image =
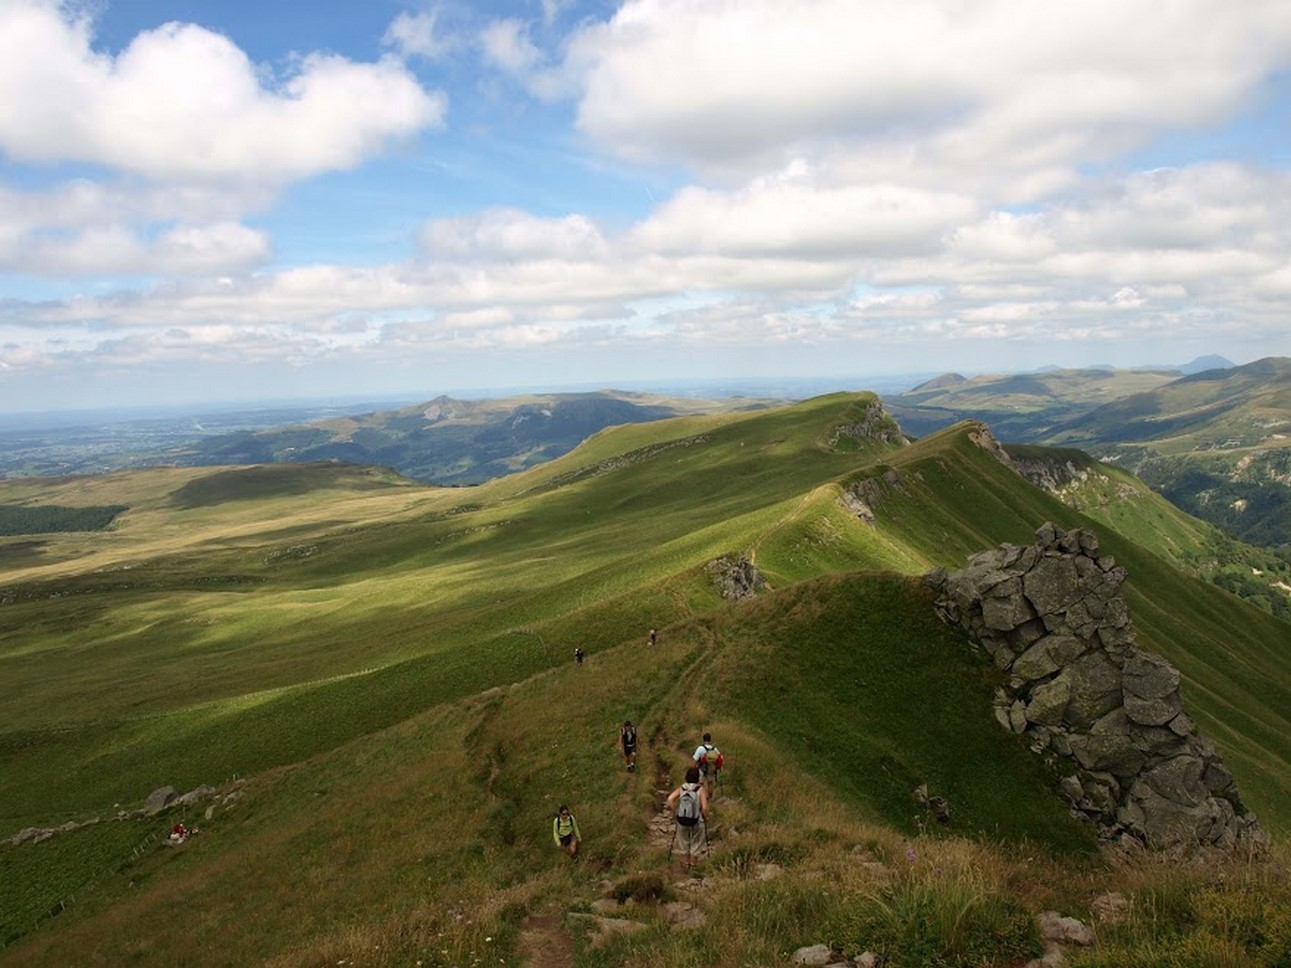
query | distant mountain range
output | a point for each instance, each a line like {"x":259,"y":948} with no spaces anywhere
{"x":448,"y":441}
{"x":1217,"y":442}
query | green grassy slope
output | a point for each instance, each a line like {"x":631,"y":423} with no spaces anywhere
{"x":366,"y":638}
{"x":378,"y":842}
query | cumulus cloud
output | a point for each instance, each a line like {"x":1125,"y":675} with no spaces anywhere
{"x":184,"y":103}
{"x":737,"y":83}
{"x":506,"y":46}
{"x":416,"y":35}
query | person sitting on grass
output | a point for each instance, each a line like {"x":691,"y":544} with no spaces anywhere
{"x":564,"y":831}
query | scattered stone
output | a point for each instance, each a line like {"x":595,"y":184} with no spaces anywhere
{"x":606,"y":929}
{"x":683,"y":914}
{"x":1110,"y":908}
{"x":816,"y":954}
{"x":158,"y":800}
{"x":1064,"y":930}
{"x":605,"y":905}
{"x":867,"y":959}
{"x":1079,"y":691}
{"x":1053,"y":957}
{"x":767,"y":871}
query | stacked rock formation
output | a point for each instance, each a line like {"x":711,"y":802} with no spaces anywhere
{"x":1106,"y":713}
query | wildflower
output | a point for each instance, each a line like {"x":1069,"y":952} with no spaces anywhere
{"x":910,"y":854}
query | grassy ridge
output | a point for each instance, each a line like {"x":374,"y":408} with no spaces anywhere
{"x":367,"y":625}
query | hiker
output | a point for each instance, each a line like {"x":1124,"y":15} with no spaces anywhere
{"x":628,"y":740}
{"x":689,"y":806}
{"x":708,"y":759}
{"x":578,"y":656}
{"x":654,"y":636}
{"x":564,"y":831}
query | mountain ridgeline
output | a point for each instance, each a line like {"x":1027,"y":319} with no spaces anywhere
{"x":366,"y":682}
{"x":449,"y":441}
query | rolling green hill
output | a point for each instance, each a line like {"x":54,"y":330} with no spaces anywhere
{"x":1019,"y":406}
{"x":1217,"y":444}
{"x":376,"y":677}
{"x":451,"y":441}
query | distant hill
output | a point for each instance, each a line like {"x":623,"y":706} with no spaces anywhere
{"x":1203,"y":363}
{"x":1022,"y":406}
{"x":1216,"y":443}
{"x":448,"y":441}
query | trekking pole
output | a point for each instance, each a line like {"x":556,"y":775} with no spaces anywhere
{"x":672,"y":843}
{"x":708,"y":847}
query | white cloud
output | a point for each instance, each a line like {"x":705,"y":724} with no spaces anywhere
{"x":506,"y":45}
{"x":184,"y":103}
{"x":725,"y":84}
{"x":512,"y":234}
{"x":793,"y":216}
{"x":416,"y":35}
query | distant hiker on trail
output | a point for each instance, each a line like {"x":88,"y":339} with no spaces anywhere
{"x":689,"y":805}
{"x":578,"y":657}
{"x":628,"y":740}
{"x":564,"y":831}
{"x":654,"y":636}
{"x":708,"y":759}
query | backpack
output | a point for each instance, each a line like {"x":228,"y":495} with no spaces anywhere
{"x":688,"y":812}
{"x":711,"y":761}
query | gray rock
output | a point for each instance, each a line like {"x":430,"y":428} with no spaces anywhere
{"x":159,"y":800}
{"x":1149,"y":676}
{"x":1064,"y":930}
{"x":1095,"y":683}
{"x":1083,"y":695}
{"x":1179,"y":779}
{"x":1153,"y":712}
{"x":816,"y":954}
{"x":1052,"y":585}
{"x":1047,"y":656}
{"x":1049,"y":702}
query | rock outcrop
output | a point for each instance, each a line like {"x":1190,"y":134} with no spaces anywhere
{"x":1107,"y":713}
{"x":735,"y":577}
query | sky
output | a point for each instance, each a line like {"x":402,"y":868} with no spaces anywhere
{"x":222,"y":201}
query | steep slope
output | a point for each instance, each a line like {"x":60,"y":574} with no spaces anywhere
{"x":392,"y":663}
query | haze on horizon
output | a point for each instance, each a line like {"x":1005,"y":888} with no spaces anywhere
{"x":250,"y":201}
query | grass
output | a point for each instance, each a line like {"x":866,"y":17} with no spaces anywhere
{"x":391,"y":663}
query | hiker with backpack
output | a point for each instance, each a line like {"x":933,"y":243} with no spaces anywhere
{"x":708,"y":758}
{"x":564,"y":831}
{"x":689,"y":806}
{"x":628,"y":740}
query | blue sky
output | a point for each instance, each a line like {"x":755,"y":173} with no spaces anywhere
{"x":221,"y":201}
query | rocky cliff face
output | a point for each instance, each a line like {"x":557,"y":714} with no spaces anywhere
{"x":1106,"y":713}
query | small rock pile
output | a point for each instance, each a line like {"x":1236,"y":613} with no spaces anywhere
{"x":1108,"y":713}
{"x":735,"y":577}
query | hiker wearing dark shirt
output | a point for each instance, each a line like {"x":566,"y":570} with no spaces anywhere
{"x":628,"y":741}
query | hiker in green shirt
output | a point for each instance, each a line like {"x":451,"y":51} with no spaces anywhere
{"x":564,"y":831}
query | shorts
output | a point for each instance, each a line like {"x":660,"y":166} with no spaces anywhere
{"x":690,"y":840}
{"x":629,"y":751}
{"x":565,"y":840}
